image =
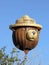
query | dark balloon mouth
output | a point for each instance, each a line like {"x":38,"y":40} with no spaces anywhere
{"x":27,"y":49}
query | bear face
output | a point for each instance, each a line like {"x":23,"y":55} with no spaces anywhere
{"x":25,"y":37}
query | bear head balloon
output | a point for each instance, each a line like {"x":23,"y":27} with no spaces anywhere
{"x":25,"y":33}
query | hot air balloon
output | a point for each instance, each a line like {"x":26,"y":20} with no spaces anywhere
{"x":25,"y":33}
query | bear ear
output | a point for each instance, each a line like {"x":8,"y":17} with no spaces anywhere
{"x":13,"y":29}
{"x":38,"y":29}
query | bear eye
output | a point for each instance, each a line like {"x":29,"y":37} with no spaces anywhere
{"x":23,"y":28}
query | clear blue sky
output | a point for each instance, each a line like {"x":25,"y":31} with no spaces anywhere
{"x":11,"y":10}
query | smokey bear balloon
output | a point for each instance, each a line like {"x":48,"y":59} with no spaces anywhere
{"x":25,"y":33}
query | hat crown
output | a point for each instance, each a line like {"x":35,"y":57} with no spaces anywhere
{"x":25,"y":19}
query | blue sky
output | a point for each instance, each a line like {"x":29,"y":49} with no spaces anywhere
{"x":11,"y":10}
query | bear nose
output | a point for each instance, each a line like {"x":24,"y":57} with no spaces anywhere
{"x":33,"y":32}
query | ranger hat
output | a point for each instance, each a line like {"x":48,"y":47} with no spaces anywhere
{"x":25,"y":21}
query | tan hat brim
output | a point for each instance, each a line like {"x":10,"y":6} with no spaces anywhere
{"x":28,"y":24}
